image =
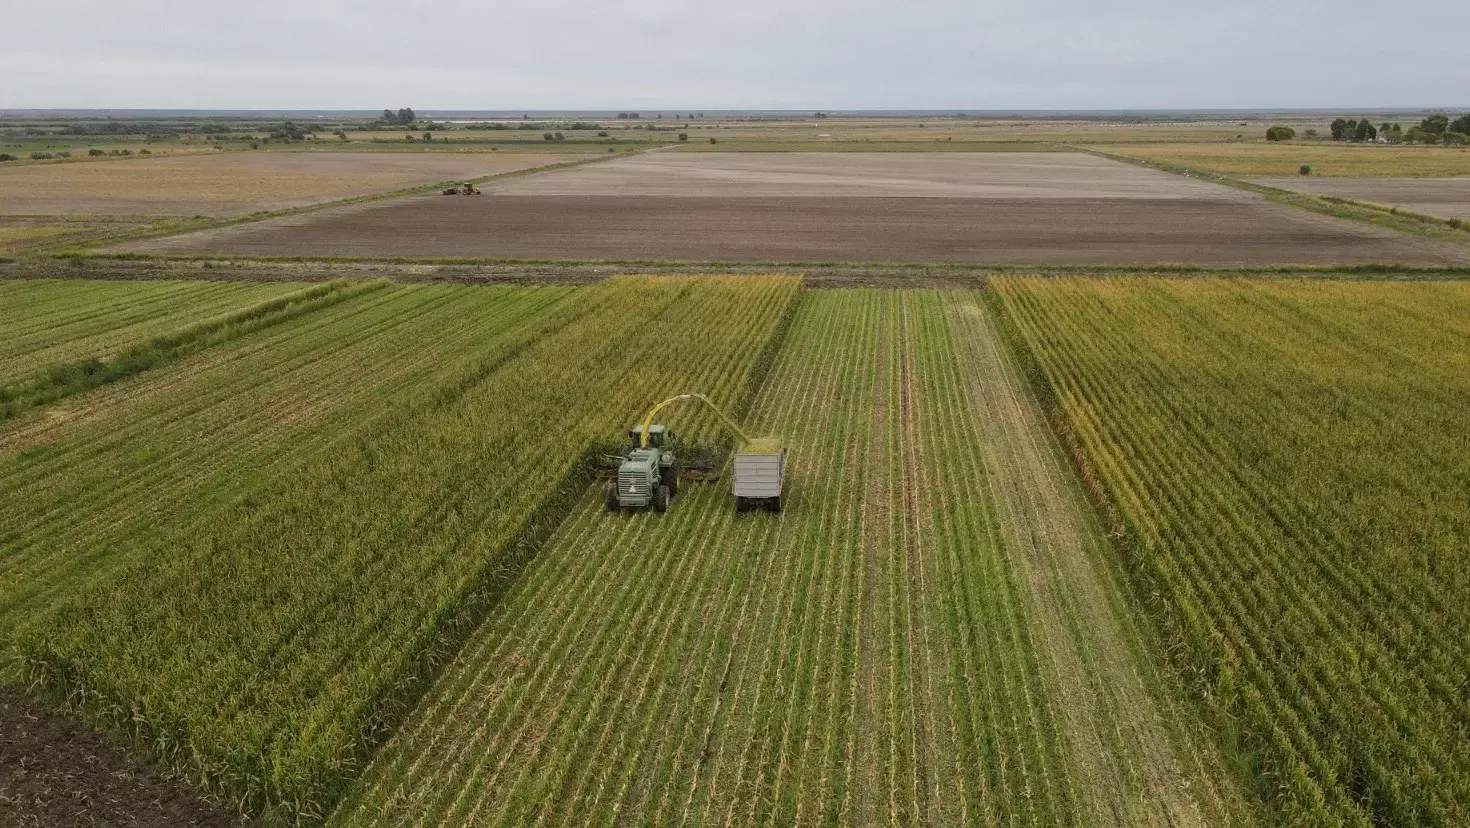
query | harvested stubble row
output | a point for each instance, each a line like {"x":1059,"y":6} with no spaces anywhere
{"x":260,"y":639}
{"x":51,"y":322}
{"x":867,"y":657}
{"x":1289,"y":463}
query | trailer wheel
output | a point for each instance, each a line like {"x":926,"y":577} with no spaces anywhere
{"x":661,"y":499}
{"x":610,"y":496}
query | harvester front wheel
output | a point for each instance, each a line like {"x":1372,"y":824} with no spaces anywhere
{"x":661,"y":498}
{"x":670,"y":477}
{"x":776,"y":504}
{"x":610,"y":497}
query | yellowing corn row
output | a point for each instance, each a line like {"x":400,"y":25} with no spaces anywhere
{"x":1288,"y":462}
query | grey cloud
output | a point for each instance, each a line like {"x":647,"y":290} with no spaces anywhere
{"x":759,"y":53}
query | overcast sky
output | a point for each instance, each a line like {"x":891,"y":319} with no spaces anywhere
{"x":714,"y":54}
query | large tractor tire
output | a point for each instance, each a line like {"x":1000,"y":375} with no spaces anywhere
{"x":775,"y":504}
{"x":670,"y":477}
{"x":661,"y":499}
{"x":610,"y":496}
{"x":741,"y":504}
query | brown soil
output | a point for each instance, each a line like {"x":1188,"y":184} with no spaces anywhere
{"x":56,"y":772}
{"x":845,"y":229}
{"x":1448,"y":197}
{"x":1017,"y":175}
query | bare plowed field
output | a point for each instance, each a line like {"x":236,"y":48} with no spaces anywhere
{"x":235,"y":183}
{"x":1012,"y":175}
{"x":1449,"y":197}
{"x":1024,"y":208}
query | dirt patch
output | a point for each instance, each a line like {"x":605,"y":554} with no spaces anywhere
{"x":842,"y":229}
{"x":1448,"y":197}
{"x":236,"y":183}
{"x":55,"y":772}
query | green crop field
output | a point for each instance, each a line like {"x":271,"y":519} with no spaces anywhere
{"x":1287,"y":464}
{"x":1061,"y":551}
{"x":256,"y":633}
{"x":894,"y":649}
{"x":52,"y":322}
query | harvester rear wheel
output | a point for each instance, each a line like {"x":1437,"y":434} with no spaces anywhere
{"x":661,"y":498}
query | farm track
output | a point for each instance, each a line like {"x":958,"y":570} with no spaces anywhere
{"x":337,"y":633}
{"x":878,"y":654}
{"x":1300,"y":582}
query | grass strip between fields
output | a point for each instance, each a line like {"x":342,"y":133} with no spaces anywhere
{"x":77,"y":377}
{"x":584,"y":271}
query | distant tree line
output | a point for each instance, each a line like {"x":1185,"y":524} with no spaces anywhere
{"x":1435,"y":129}
{"x":403,"y":117}
{"x":149,"y":128}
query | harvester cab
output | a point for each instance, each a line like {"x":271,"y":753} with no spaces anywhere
{"x":648,"y":474}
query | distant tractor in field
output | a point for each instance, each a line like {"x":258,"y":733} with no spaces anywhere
{"x":467,"y":188}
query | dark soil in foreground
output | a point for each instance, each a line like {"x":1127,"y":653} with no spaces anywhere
{"x":56,"y":772}
{"x":1052,"y":231}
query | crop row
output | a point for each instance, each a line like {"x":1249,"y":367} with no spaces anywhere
{"x":866,"y":657}
{"x":263,"y":640}
{"x":172,"y":445}
{"x":45,"y":323}
{"x":1288,"y":464}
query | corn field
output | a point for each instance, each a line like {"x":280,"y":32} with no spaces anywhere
{"x":258,"y":631}
{"x":1286,"y":464}
{"x":1061,"y":552}
{"x":874,"y":655}
{"x":45,"y":323}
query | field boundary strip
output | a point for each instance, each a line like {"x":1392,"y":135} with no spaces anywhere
{"x":66,"y":379}
{"x":815,"y":275}
{"x":1439,"y":228}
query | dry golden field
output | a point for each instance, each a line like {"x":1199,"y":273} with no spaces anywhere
{"x":236,"y":183}
{"x":1326,"y":159}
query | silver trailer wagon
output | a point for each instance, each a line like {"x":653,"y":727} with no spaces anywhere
{"x":760,"y":472}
